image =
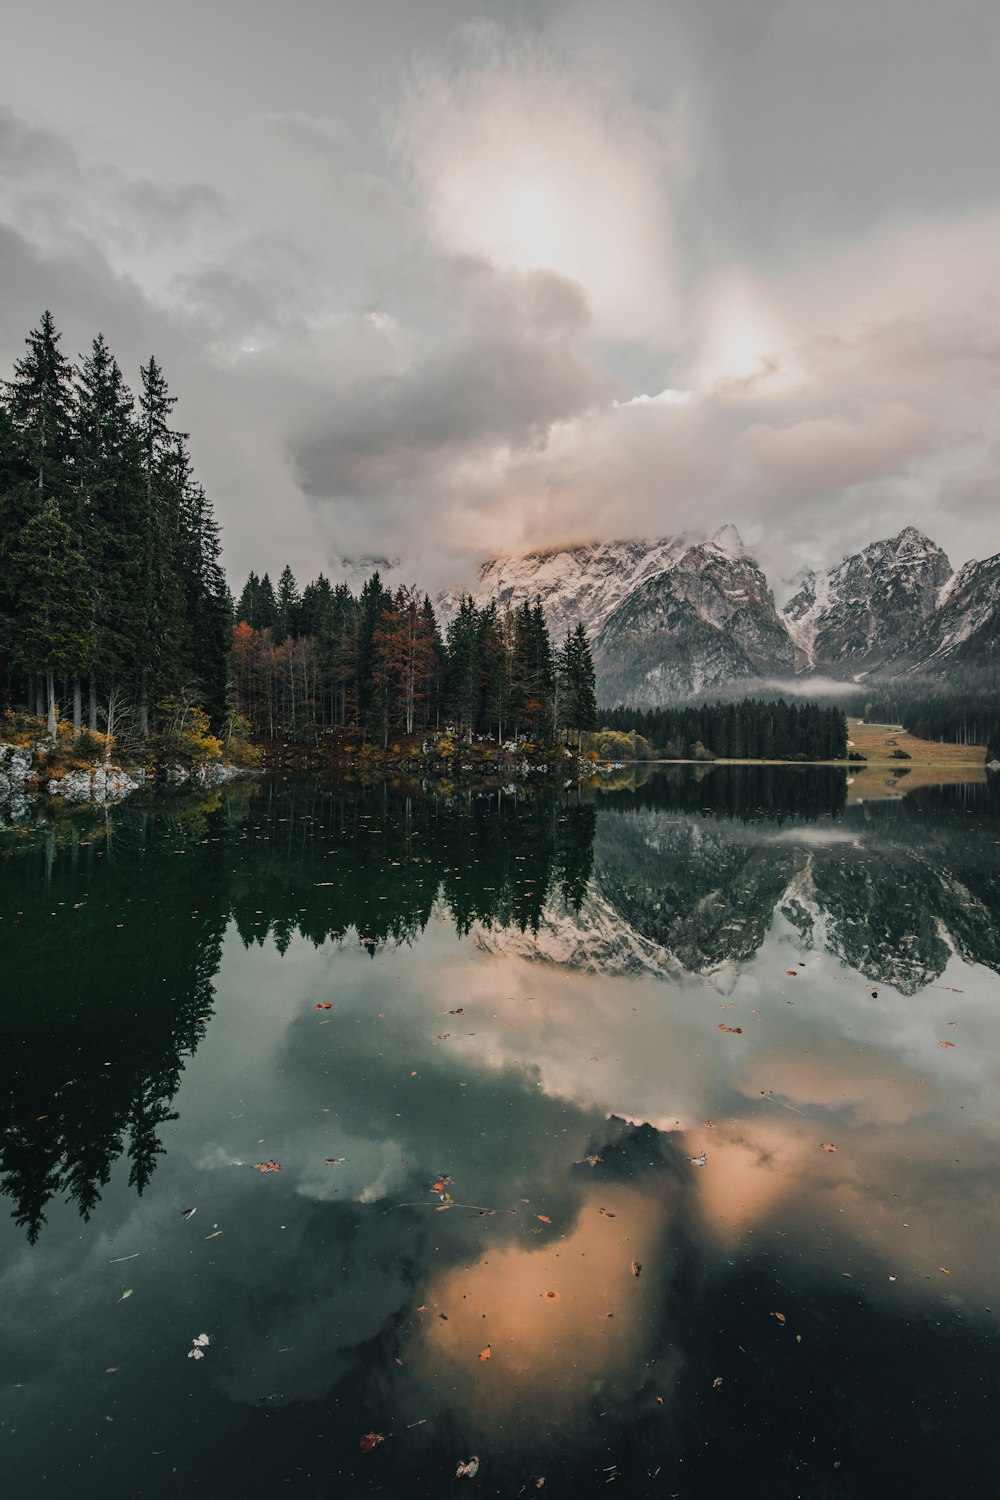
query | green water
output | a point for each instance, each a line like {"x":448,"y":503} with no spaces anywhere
{"x":559,"y":1002}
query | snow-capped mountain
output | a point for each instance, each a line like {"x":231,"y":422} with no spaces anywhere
{"x":963,"y":628}
{"x":851,"y":618}
{"x":697,"y":625}
{"x":681,"y":617}
{"x":576,"y":583}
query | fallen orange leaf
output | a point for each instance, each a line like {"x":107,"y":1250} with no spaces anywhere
{"x":324,"y":1005}
{"x":544,"y":1218}
{"x":780,"y":1317}
{"x":946,"y":1044}
{"x":636,"y":1267}
{"x":735,"y":1030}
{"x":553,"y":1297}
{"x":370,"y":1441}
{"x":486,"y":1353}
{"x":828,"y":1146}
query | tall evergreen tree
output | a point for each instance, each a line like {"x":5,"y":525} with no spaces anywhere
{"x":109,"y":487}
{"x":51,"y":601}
{"x":289,"y":604}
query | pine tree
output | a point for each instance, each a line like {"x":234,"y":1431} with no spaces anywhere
{"x":40,"y":408}
{"x":289,"y":604}
{"x":52,"y":604}
{"x":247,"y":607}
{"x":109,"y":489}
{"x":267,"y":605}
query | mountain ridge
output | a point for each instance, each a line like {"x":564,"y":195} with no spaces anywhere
{"x":677,"y":617}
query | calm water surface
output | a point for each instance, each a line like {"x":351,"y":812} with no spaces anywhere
{"x":730,"y":1029}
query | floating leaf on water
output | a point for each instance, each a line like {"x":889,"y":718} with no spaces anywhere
{"x":334,"y":1161}
{"x":780,"y":1317}
{"x":370,"y":1441}
{"x":125,"y":1295}
{"x":469,"y":1470}
{"x":196,"y":1354}
{"x":186,"y":1213}
{"x":591,"y":1161}
{"x":486,"y":1353}
{"x":659,"y":1401}
{"x":828,"y":1146}
{"x":792,"y":972}
{"x":699,"y":1161}
{"x":112,"y":1370}
{"x":553,"y":1296}
{"x":202,"y":1341}
{"x":946,"y":1044}
{"x":214,"y":1235}
{"x":544,"y":1218}
{"x":717,"y":1382}
{"x":267,"y":1166}
{"x":459,"y":1012}
{"x":637,"y":1268}
{"x":734,"y":1030}
{"x":944,"y":1270}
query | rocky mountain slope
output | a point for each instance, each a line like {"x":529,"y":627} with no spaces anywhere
{"x":681,"y":617}
{"x":851,"y":618}
{"x":963,"y":630}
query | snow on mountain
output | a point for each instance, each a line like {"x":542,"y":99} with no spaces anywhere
{"x":855,"y":615}
{"x":694,"y":627}
{"x":583,"y":582}
{"x":964,"y":628}
{"x":681,"y":617}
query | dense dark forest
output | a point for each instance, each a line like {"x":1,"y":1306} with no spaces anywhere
{"x":959,"y":715}
{"x":322,"y":658}
{"x":113,"y":604}
{"x":748,"y":729}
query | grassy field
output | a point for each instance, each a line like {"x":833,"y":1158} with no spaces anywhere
{"x":930,"y":764}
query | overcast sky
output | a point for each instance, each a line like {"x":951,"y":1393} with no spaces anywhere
{"x":434,"y":278}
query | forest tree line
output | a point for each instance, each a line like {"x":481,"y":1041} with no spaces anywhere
{"x":113,"y":604}
{"x":748,"y":729}
{"x":378,"y":661}
{"x":957,"y":715}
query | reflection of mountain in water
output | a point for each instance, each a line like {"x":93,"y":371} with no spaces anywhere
{"x":893,"y":889}
{"x":113,"y":921}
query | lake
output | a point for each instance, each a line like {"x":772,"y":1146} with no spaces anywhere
{"x":644,"y":1137}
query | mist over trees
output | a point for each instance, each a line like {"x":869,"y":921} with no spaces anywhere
{"x":111,"y":587}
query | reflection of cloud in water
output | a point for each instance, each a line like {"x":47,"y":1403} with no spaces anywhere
{"x":549,"y":1355}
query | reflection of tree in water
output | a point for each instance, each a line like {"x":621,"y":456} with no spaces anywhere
{"x":114,"y":926}
{"x":108,"y":987}
{"x":114,"y":922}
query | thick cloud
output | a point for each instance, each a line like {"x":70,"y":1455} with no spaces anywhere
{"x":420,"y":288}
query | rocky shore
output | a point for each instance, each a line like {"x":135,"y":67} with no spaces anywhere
{"x":24,"y":778}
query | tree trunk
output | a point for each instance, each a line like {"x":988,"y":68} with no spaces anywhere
{"x":50,"y":690}
{"x":92,"y":713}
{"x":77,"y":707}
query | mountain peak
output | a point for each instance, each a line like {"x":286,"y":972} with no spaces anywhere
{"x":728,"y":540}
